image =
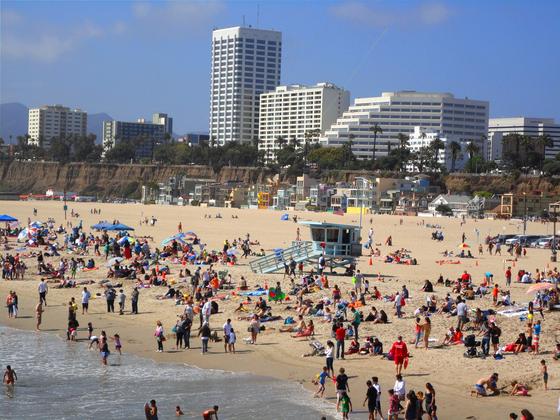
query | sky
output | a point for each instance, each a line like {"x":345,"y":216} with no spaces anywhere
{"x":133,"y":58}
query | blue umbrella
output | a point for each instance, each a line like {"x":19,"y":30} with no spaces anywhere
{"x":177,"y":237}
{"x":6,"y":218}
{"x":101,"y":226}
{"x":119,"y":226}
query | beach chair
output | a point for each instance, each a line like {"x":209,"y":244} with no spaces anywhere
{"x":317,"y":348}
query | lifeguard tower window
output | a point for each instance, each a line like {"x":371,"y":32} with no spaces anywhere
{"x":318,"y":234}
{"x":332,"y":235}
{"x":346,"y":236}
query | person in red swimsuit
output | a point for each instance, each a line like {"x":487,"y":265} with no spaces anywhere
{"x":400,"y":353}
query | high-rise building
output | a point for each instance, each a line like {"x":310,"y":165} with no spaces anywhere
{"x":50,"y":121}
{"x":399,"y":112}
{"x":533,"y":127}
{"x":294,"y":112}
{"x":145,"y":135}
{"x":245,"y":63}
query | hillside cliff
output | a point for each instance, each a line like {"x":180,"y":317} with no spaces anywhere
{"x":108,"y":180}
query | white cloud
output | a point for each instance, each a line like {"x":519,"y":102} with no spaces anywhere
{"x":377,"y":15}
{"x":25,"y":39}
{"x":168,"y":15}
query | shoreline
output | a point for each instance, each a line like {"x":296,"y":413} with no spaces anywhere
{"x":278,"y":356}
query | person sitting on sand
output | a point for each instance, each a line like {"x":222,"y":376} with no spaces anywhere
{"x":519,"y":389}
{"x":300,"y":326}
{"x":484,"y":385}
{"x":382,"y":318}
{"x":353,"y":348}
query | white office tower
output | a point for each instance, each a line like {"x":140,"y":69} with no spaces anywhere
{"x":50,"y":121}
{"x":533,"y":127}
{"x":399,"y":112}
{"x":421,"y":138}
{"x":245,"y":63}
{"x":165,"y":120}
{"x":298,"y":112}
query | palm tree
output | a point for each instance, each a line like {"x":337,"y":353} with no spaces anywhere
{"x":454,"y":149}
{"x":281,"y":142}
{"x":376,"y":130}
{"x":403,"y":144}
{"x":351,"y":138}
{"x":472,"y":149}
{"x":436,"y":146}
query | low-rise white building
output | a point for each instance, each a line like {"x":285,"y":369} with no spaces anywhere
{"x":296,"y":111}
{"x":422,"y":137}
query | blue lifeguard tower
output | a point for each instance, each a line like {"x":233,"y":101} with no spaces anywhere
{"x":338,"y":244}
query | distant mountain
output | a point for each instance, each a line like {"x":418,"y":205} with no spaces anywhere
{"x":13,"y":121}
{"x":95,"y":124}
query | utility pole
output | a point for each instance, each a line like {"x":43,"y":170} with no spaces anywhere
{"x":553,"y":257}
{"x":524,"y":213}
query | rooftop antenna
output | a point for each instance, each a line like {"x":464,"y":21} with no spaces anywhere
{"x":258,"y":12}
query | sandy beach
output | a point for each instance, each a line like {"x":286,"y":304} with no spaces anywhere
{"x":278,"y":354}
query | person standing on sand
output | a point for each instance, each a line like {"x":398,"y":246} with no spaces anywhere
{"x":43,"y":289}
{"x":427,"y":327}
{"x":204,"y":334}
{"x":38,"y":315}
{"x":227,"y":331}
{"x":160,"y":338}
{"x":134,"y":300}
{"x":400,"y":353}
{"x":86,"y":295}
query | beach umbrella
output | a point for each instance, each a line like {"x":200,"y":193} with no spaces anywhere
{"x":284,"y":217}
{"x":539,"y":286}
{"x":7,"y":218}
{"x":100,"y":226}
{"x":36,"y":224}
{"x":112,"y":261}
{"x":190,"y":233}
{"x":177,"y":237}
{"x":463,"y":246}
{"x":119,"y":226}
{"x":23,"y":235}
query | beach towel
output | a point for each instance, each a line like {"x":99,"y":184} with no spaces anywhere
{"x":513,"y":312}
{"x":274,"y":295}
{"x":259,"y":292}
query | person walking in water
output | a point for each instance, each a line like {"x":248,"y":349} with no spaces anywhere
{"x":211,"y":413}
{"x":10,"y":376}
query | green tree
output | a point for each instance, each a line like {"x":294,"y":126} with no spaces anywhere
{"x":455,"y":150}
{"x":123,"y":152}
{"x":404,"y":154}
{"x":376,"y":129}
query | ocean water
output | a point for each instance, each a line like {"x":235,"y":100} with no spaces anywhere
{"x":61,"y":380}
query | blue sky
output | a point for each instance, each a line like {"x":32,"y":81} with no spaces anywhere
{"x":132,"y":58}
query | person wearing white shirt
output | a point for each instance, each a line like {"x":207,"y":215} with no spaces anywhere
{"x":86,"y":295}
{"x":227,"y":331}
{"x":43,"y":289}
{"x":400,"y":387}
{"x":461,"y":313}
{"x":206,"y":311}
